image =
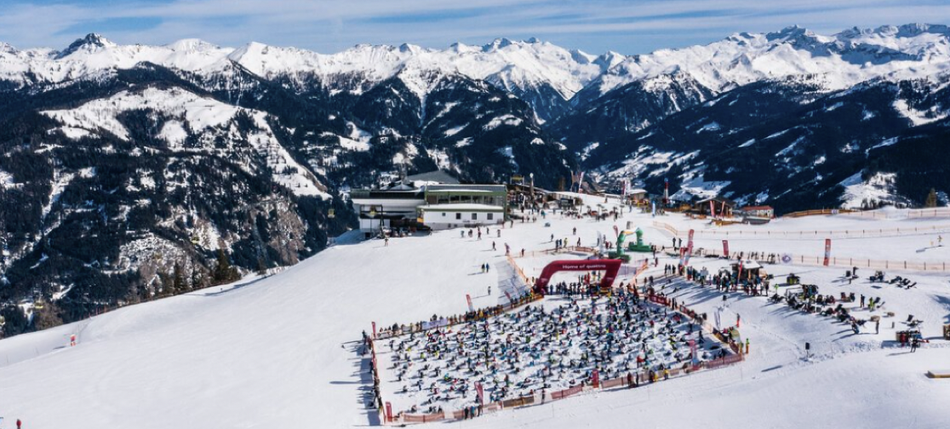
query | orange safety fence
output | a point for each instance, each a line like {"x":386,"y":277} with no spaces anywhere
{"x":518,"y":270}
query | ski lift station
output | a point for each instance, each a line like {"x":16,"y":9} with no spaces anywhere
{"x":427,"y":201}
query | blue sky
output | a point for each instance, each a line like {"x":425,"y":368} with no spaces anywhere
{"x":595,"y":26}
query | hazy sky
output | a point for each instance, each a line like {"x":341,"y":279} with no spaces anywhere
{"x":595,"y":26}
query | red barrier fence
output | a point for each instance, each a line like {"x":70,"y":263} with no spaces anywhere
{"x":566,"y":392}
{"x":728,"y":360}
{"x":517,"y":402}
{"x":374,"y":369}
{"x":423,"y":418}
{"x":607,"y":384}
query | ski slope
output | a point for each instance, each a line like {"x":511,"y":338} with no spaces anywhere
{"x":281,"y":351}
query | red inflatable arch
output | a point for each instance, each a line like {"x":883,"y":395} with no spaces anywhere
{"x":611,"y":266}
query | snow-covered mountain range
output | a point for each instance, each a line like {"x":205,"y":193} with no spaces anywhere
{"x":515,"y":66}
{"x":846,"y":58}
{"x":112,"y":156}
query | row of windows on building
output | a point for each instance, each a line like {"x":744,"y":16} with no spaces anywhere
{"x":458,"y":216}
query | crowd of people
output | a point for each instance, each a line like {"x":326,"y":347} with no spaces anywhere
{"x":542,"y":347}
{"x":804,"y":298}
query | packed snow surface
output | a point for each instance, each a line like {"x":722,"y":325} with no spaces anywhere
{"x":281,"y":351}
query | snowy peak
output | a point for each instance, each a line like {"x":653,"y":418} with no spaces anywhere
{"x":93,"y":54}
{"x":790,"y":34}
{"x":92,"y":42}
{"x":847,"y":58}
{"x":497,"y":44}
{"x":514,"y":66}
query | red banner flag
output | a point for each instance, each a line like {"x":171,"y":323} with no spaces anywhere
{"x":479,"y":390}
{"x":595,"y":379}
{"x":374,"y":330}
{"x":389,"y":411}
{"x":712,"y":208}
{"x":827,"y":250}
{"x":725,"y":248}
{"x":469,"y":299}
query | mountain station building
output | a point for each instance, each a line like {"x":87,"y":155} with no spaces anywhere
{"x":426,"y":201}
